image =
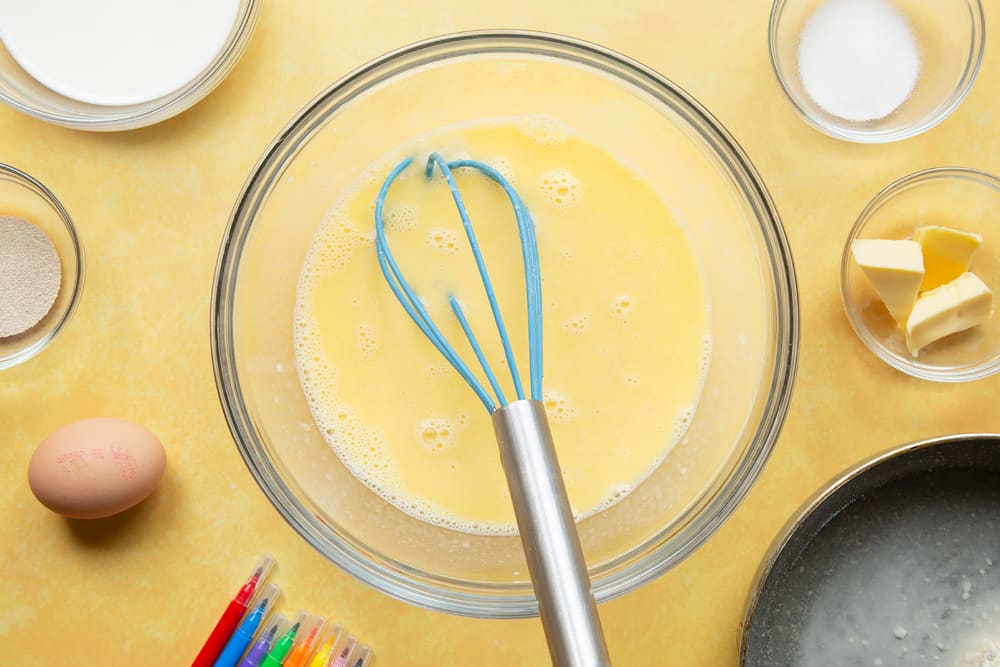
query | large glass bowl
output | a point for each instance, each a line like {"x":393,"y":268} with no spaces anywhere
{"x":649,"y":123}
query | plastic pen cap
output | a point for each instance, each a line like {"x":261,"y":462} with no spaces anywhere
{"x":361,"y":656}
{"x":306,"y":641}
{"x":280,"y":624}
{"x":256,"y":579}
{"x":271,"y":593}
{"x":317,"y":623}
{"x":342,"y":652}
{"x":298,"y":621}
{"x":261,"y":569}
{"x":326,"y":642}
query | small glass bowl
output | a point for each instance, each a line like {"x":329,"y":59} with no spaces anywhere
{"x":950,"y":37}
{"x":20,"y":90}
{"x":964,"y":199}
{"x":22,"y":196}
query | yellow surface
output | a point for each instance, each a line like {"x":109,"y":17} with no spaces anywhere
{"x":358,"y":351}
{"x":144,"y":588}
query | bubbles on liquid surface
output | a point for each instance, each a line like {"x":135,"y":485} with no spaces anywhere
{"x":621,"y":306}
{"x":502,"y":165}
{"x":706,"y":356}
{"x":436,"y":434}
{"x":439,"y":370}
{"x":401,"y":217}
{"x":546,"y":130}
{"x":444,"y":240}
{"x":558,"y":407}
{"x":364,"y":451}
{"x":561,"y":188}
{"x":366,"y":342}
{"x":682,"y":422}
{"x":576,"y":326}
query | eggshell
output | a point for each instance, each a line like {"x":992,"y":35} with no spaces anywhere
{"x":96,"y":467}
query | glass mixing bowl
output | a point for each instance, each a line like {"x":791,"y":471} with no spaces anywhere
{"x":679,"y":148}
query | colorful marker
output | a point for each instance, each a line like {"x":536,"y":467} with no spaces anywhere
{"x":341,"y":660}
{"x":231,"y":617}
{"x":241,"y":639}
{"x":304,"y":647}
{"x":322,"y":657}
{"x":263,"y":645}
{"x":282,"y":647}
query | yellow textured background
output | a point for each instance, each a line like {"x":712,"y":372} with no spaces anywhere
{"x":144,"y":588}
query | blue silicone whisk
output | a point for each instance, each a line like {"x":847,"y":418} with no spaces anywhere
{"x":544,"y":519}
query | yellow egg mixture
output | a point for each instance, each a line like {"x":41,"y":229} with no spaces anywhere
{"x":626,"y":324}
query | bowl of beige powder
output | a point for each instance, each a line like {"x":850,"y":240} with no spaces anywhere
{"x":41,"y":267}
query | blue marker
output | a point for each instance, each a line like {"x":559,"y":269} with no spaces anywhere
{"x":241,"y":639}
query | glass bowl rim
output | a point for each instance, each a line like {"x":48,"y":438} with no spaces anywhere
{"x":654,"y":560}
{"x":977,"y":47}
{"x":964,"y":373}
{"x":130,"y":117}
{"x":39,"y":189}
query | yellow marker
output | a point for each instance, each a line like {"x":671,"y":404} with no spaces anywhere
{"x":895,"y":269}
{"x":956,"y":306}
{"x":947,"y":253}
{"x":326,"y":647}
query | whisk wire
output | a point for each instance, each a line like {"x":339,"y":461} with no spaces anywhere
{"x":409,"y":300}
{"x":456,"y":308}
{"x":417,"y":311}
{"x":491,"y":296}
{"x":532,"y":270}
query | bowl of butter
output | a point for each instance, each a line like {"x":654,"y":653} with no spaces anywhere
{"x":920,"y":271}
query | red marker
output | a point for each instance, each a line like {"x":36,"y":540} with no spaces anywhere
{"x":231,"y":617}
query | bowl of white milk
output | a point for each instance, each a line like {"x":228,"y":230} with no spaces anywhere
{"x":117,"y":64}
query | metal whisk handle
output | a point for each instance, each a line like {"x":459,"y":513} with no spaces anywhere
{"x":548,"y":535}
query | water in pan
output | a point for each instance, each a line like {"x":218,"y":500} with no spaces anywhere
{"x":907,"y":575}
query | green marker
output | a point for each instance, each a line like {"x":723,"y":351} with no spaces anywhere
{"x":281,"y":648}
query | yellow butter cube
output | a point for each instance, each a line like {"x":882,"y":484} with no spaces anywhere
{"x":947,"y":253}
{"x":956,"y":306}
{"x":895,"y":269}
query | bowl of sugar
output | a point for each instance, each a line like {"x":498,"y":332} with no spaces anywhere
{"x":114,"y":65}
{"x":874,"y":71}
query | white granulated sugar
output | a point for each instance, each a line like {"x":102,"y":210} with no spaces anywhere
{"x":858,"y":59}
{"x":29,"y":275}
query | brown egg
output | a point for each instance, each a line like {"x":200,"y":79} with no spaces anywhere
{"x":96,"y":467}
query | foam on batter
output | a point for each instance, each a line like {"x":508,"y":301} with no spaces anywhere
{"x":340,"y":266}
{"x":444,"y":240}
{"x":561,"y":187}
{"x":576,"y":326}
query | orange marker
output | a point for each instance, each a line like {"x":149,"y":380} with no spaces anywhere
{"x":304,"y":648}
